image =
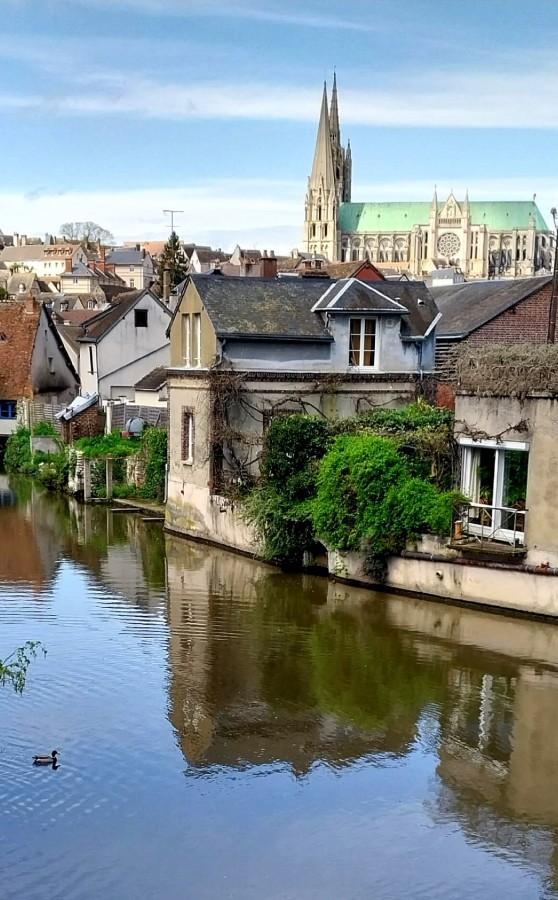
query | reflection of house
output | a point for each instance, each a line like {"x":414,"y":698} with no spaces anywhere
{"x":34,"y":364}
{"x":122,"y":344}
{"x":244,"y":693}
{"x":246,"y":349}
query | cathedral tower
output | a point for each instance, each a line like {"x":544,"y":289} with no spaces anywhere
{"x":329,"y":184}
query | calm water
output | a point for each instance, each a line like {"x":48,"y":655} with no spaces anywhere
{"x":226,"y":731}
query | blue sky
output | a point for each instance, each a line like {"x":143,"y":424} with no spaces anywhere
{"x":113,"y":110}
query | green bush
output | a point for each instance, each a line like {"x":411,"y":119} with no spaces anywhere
{"x":44,"y":429}
{"x":368,"y":498}
{"x":18,"y":456}
{"x":53,"y":470}
{"x":112,"y":444}
{"x":280,"y":506}
{"x":154,"y":448}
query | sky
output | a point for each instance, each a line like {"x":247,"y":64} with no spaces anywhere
{"x":115,"y":110}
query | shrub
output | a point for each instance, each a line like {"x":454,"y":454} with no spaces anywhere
{"x":18,"y":456}
{"x":154,"y":447}
{"x":44,"y":429}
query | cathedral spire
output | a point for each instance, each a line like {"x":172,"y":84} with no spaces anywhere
{"x":322,"y":167}
{"x":334,"y":114}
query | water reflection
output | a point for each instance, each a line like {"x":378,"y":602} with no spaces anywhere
{"x":396,"y":721}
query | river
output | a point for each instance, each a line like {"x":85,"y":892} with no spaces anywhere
{"x":229,"y":731}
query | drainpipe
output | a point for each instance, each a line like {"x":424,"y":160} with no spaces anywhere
{"x":554,"y":295}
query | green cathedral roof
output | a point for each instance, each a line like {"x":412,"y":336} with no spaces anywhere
{"x":497,"y":215}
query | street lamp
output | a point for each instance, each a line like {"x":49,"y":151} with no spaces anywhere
{"x":554,"y":294}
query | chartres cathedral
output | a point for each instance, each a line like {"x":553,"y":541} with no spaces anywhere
{"x":483,"y":239}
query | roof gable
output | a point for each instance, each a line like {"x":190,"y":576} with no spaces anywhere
{"x":98,"y":327}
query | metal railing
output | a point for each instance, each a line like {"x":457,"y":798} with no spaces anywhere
{"x":486,"y":522}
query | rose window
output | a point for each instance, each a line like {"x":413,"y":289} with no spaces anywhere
{"x":448,"y":244}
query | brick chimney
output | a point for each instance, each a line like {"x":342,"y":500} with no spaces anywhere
{"x":29,"y":305}
{"x":268,"y":265}
{"x":68,"y":264}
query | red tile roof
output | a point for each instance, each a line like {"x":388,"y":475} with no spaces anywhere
{"x":19,"y":321}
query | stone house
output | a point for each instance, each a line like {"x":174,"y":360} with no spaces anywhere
{"x":34,"y":364}
{"x":205,"y":259}
{"x":122,"y":344}
{"x":244,"y":350}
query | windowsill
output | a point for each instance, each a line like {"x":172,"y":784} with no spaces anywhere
{"x":188,"y":462}
{"x":364,"y":368}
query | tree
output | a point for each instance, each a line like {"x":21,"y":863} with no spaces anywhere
{"x":174,"y":259}
{"x":3,"y":293}
{"x":87,"y":233}
{"x":13,"y":669}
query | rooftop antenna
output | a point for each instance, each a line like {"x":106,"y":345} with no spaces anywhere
{"x":171,"y":213}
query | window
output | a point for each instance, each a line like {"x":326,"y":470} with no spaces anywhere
{"x":187,"y":435}
{"x":196,"y":339}
{"x":91,"y":361}
{"x":140,"y":318}
{"x":132,"y":282}
{"x":362,"y":342}
{"x":75,"y":280}
{"x":91,"y":304}
{"x":8,"y":409}
{"x":51,"y":365}
{"x":191,"y":339}
{"x":186,"y":340}
{"x":132,"y":269}
{"x":494,"y":476}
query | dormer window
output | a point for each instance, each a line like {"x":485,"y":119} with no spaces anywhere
{"x":362,"y":343}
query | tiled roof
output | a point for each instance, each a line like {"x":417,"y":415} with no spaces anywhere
{"x":349,"y":269}
{"x":263,"y":307}
{"x":153,"y":381}
{"x":19,"y":321}
{"x":209,"y":256}
{"x":466,"y":307}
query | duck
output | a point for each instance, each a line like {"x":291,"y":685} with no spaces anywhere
{"x":46,"y":760}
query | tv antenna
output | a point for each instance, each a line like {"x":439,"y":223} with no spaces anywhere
{"x":171,"y":213}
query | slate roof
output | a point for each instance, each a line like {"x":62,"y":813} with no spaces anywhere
{"x":497,"y":215}
{"x":80,"y":270}
{"x":267,"y":308}
{"x":411,"y":300}
{"x":125,"y":256}
{"x":466,"y":307}
{"x":74,"y":316}
{"x":209,"y":256}
{"x":153,"y":381}
{"x":96,"y":328}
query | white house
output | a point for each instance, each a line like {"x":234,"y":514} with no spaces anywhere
{"x":123,"y":344}
{"x":46,"y":260}
{"x":133,"y":266}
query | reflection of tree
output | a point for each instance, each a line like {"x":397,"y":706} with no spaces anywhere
{"x":366,"y":675}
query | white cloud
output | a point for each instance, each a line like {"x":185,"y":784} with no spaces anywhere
{"x":435,"y":99}
{"x":266,"y":214}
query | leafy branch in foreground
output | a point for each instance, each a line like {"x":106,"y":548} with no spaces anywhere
{"x":13,"y":669}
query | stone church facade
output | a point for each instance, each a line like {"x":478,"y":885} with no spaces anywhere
{"x":483,"y":239}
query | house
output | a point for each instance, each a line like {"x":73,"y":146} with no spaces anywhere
{"x":34,"y":364}
{"x":246,"y":349}
{"x":22,"y":285}
{"x":122,"y":344}
{"x":45,"y":260}
{"x":250,"y":263}
{"x":514,"y":311}
{"x":202,"y":260}
{"x":151,"y":390}
{"x":85,"y":279}
{"x":132,"y":265}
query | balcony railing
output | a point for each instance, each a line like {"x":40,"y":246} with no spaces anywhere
{"x":485,"y":523}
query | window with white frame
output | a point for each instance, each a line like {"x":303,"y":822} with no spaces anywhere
{"x":362,"y":342}
{"x":494,"y":477}
{"x":191,"y":339}
{"x":187,"y":437}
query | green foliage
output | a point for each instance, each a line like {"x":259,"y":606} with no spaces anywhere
{"x":369,"y":499}
{"x":44,"y":429}
{"x":3,"y":294}
{"x":104,"y":445}
{"x":53,"y":470}
{"x":154,"y":448}
{"x":174,"y":259}
{"x":280,"y":506}
{"x":18,"y":456}
{"x":13,"y":669}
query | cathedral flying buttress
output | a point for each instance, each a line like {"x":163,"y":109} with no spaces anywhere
{"x":480,"y":239}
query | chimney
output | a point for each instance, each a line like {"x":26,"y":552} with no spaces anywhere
{"x":16,"y":239}
{"x":23,"y":240}
{"x":268,"y":266}
{"x":68,"y":264}
{"x":29,"y":305}
{"x":102,"y":261}
{"x":166,"y":285}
